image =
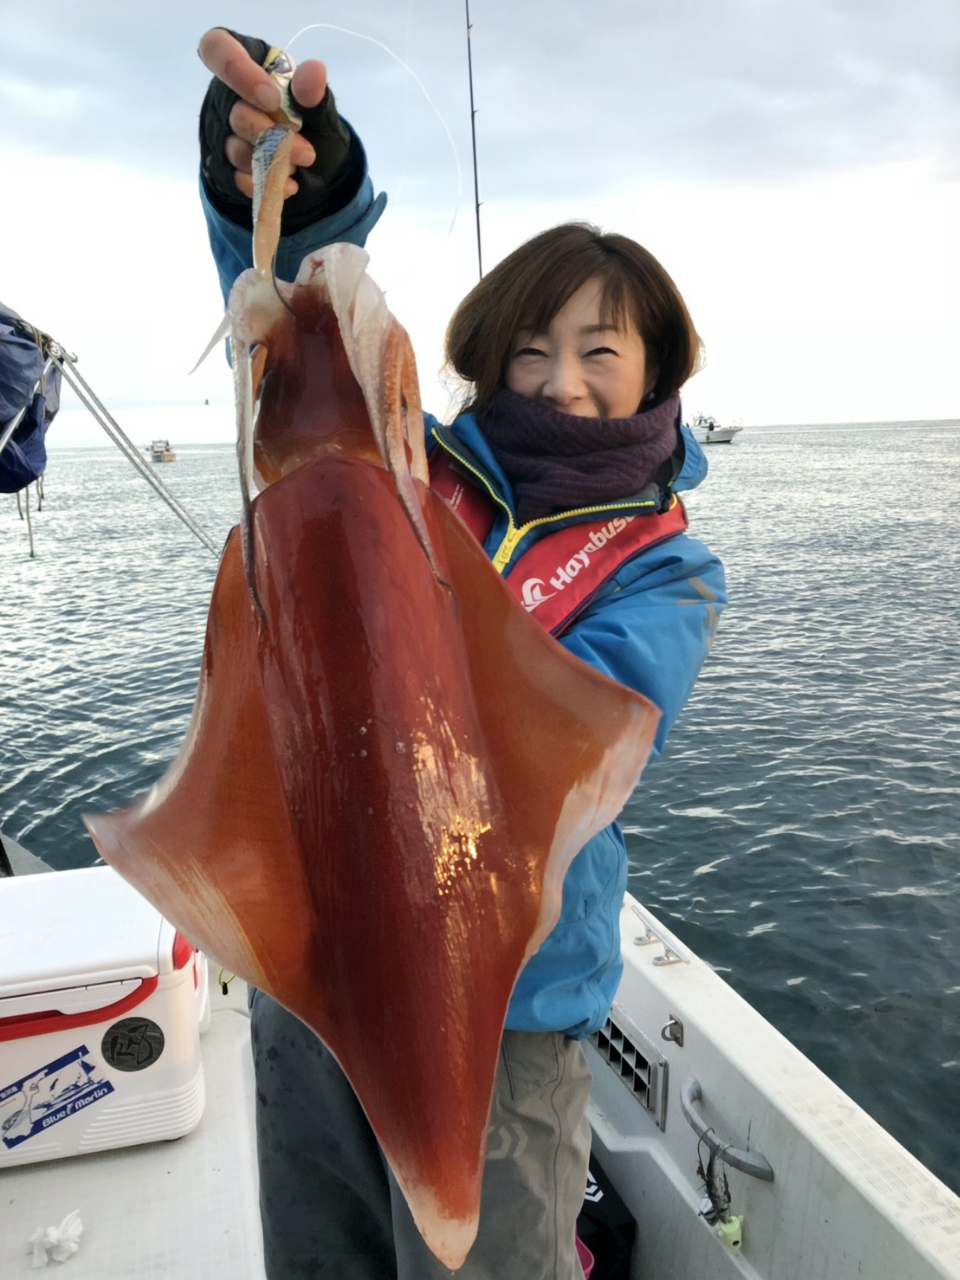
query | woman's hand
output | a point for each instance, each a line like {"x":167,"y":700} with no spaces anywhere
{"x":258,"y":96}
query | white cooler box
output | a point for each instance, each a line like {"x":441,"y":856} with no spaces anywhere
{"x":101,"y":1007}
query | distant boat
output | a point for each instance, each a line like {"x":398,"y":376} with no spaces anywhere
{"x":160,"y":451}
{"x":707,"y":430}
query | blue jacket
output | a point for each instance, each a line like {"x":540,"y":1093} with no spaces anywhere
{"x":650,"y":628}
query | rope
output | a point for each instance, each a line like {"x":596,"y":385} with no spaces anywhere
{"x":20,"y":512}
{"x":33,"y":554}
{"x":65,"y":363}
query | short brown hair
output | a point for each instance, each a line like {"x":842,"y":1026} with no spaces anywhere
{"x":530,"y":285}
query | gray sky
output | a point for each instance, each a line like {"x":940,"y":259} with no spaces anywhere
{"x":704,"y":90}
{"x":794,"y":165}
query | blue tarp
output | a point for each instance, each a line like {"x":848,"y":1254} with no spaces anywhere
{"x":21,"y":366}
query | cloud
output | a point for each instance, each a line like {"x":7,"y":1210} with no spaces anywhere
{"x":723,"y":93}
{"x":569,"y":96}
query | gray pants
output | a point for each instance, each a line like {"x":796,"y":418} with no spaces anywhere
{"x":331,"y":1207}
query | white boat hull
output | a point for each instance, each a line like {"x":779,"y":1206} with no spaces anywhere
{"x":846,"y":1199}
{"x":720,"y":435}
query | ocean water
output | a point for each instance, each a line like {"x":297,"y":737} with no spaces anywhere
{"x":802,"y":830}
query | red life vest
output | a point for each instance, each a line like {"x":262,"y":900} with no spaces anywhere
{"x":557,"y":577}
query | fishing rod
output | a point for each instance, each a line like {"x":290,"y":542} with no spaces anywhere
{"x":473,"y":140}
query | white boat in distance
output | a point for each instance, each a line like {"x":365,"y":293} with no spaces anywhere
{"x":708,"y":430}
{"x":160,"y":451}
{"x":737,"y":1158}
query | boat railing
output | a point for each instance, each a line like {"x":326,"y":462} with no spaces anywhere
{"x":674,"y":952}
{"x":750,"y":1162}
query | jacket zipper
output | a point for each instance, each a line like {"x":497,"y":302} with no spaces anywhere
{"x":514,"y":533}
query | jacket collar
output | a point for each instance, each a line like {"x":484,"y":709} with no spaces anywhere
{"x":688,"y":463}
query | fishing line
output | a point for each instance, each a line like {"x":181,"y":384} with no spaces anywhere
{"x":405,"y":142}
{"x":276,"y":286}
{"x":330,"y":26}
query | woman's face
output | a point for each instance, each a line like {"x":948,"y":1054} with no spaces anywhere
{"x":580,"y":365}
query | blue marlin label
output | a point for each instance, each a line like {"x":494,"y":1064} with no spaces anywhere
{"x":50,"y":1094}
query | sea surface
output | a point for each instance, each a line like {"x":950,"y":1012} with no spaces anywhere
{"x":802,"y":830}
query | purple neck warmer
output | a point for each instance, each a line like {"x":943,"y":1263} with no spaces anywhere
{"x":557,"y":461}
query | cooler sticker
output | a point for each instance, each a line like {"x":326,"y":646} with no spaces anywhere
{"x":51,"y":1094}
{"x":132,"y":1044}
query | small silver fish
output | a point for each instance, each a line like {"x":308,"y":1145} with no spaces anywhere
{"x":271,"y":159}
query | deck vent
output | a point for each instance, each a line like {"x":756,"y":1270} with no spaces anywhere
{"x":637,"y":1062}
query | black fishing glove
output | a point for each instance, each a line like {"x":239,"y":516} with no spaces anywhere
{"x":327,"y":186}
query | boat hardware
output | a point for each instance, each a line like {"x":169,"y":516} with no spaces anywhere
{"x":751,"y":1162}
{"x":674,"y":952}
{"x":637,"y":1061}
{"x":731,"y":1232}
{"x":673,"y":1031}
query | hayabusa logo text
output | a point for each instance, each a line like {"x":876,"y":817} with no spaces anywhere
{"x":534,"y":592}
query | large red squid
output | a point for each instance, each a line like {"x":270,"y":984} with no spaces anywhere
{"x":390,"y":765}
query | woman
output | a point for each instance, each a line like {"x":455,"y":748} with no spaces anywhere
{"x":575,"y":347}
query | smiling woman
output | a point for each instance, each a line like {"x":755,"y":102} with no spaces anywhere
{"x":574,"y":348}
{"x":566,"y":468}
{"x":630,"y":294}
